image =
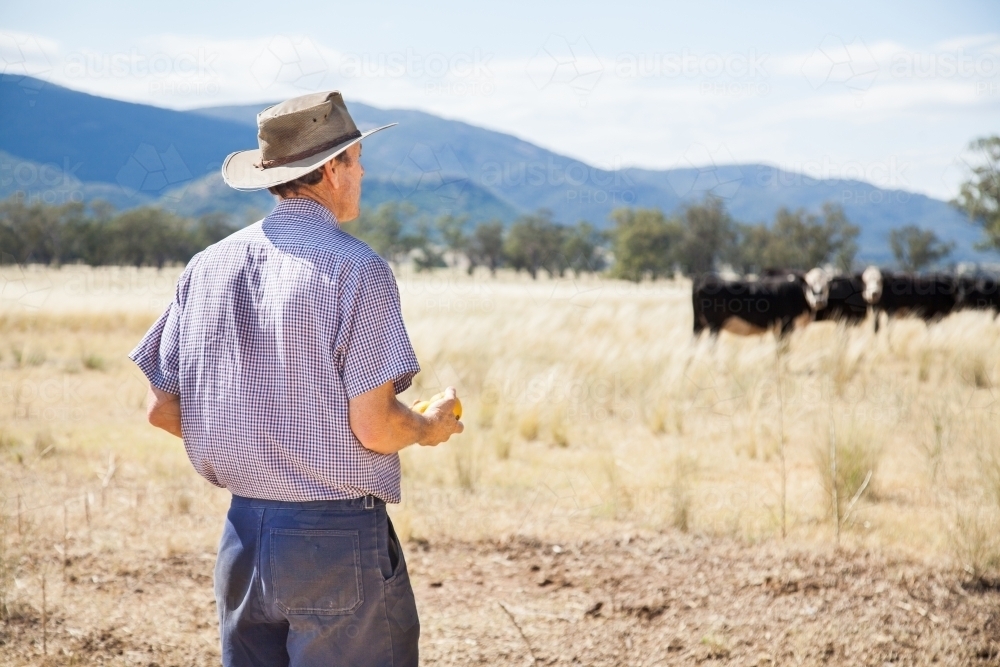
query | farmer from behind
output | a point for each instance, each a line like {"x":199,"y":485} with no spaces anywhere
{"x":278,"y":363}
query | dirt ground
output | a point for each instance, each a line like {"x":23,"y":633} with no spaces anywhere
{"x":657,"y":599}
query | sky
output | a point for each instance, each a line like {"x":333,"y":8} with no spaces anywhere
{"x":887,"y":92}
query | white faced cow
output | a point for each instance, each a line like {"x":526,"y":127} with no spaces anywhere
{"x":773,"y":303}
{"x":930,"y":296}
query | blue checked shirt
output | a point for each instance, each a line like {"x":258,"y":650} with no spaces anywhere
{"x":271,"y":331}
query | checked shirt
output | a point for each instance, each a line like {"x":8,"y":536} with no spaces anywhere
{"x":271,"y":331}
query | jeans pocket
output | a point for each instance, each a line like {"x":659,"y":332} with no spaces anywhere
{"x":316,"y":571}
{"x":395,"y":551}
{"x":400,"y":603}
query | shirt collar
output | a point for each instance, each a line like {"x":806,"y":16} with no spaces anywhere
{"x":304,"y":209}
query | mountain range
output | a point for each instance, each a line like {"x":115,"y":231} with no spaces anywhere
{"x":59,"y":144}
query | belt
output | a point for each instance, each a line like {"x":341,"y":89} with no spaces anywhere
{"x":361,"y":502}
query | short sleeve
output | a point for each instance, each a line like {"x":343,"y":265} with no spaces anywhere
{"x":375,"y":347}
{"x":158,"y":353}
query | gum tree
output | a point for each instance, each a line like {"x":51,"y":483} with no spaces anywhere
{"x":979,"y":196}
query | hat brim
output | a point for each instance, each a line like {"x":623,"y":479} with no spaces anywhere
{"x":240,"y":170}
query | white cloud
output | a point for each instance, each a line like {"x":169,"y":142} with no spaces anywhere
{"x":843,"y":100}
{"x":988,"y":41}
{"x":26,"y":55}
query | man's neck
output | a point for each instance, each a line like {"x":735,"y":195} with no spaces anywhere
{"x":313,"y":198}
{"x":327,"y":217}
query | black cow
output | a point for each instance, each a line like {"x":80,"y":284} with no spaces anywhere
{"x":775,"y":272}
{"x":754,"y":306}
{"x":979,"y":292}
{"x":846,"y":302}
{"x":930,"y":296}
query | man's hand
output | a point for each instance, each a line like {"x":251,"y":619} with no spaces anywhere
{"x":385,"y":425}
{"x":441,"y":418}
{"x":163,"y":410}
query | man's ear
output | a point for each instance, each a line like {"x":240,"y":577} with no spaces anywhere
{"x":331,"y":173}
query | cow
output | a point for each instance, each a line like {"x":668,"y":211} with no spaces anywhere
{"x":846,"y":302}
{"x":776,"y":272}
{"x":979,"y":291}
{"x":747,"y":307}
{"x":929,"y":297}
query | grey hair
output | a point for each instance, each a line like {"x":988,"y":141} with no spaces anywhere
{"x":285,"y":190}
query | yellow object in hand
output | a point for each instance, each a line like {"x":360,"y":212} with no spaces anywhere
{"x":422,"y":406}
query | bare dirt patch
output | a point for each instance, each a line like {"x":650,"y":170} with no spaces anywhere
{"x":673,"y":599}
{"x":656,"y":599}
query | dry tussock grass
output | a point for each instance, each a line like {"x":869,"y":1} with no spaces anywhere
{"x":590,"y":410}
{"x":585,"y":395}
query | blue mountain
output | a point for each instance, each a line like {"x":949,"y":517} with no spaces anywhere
{"x":59,"y":143}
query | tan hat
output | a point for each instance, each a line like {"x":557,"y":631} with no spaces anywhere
{"x":295,"y":137}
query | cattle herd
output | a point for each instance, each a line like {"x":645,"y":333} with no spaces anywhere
{"x":782,"y":301}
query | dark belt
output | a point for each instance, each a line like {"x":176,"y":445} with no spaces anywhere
{"x":361,"y":502}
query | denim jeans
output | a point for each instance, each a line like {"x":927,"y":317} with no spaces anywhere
{"x":313,"y":583}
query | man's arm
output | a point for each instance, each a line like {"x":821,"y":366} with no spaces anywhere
{"x":384,"y":425}
{"x":163,"y":410}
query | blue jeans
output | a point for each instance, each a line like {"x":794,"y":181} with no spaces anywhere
{"x":313,"y":583}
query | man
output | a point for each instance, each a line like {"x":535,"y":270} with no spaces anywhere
{"x":278,"y":363}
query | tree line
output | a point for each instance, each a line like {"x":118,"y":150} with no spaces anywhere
{"x":702,"y":237}
{"x":96,"y":234}
{"x":534,"y":243}
{"x":640,"y":243}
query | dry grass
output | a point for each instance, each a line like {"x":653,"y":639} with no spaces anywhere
{"x":848,"y":465}
{"x":590,"y":411}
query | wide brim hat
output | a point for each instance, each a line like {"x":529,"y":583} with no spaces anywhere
{"x":294,"y":137}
